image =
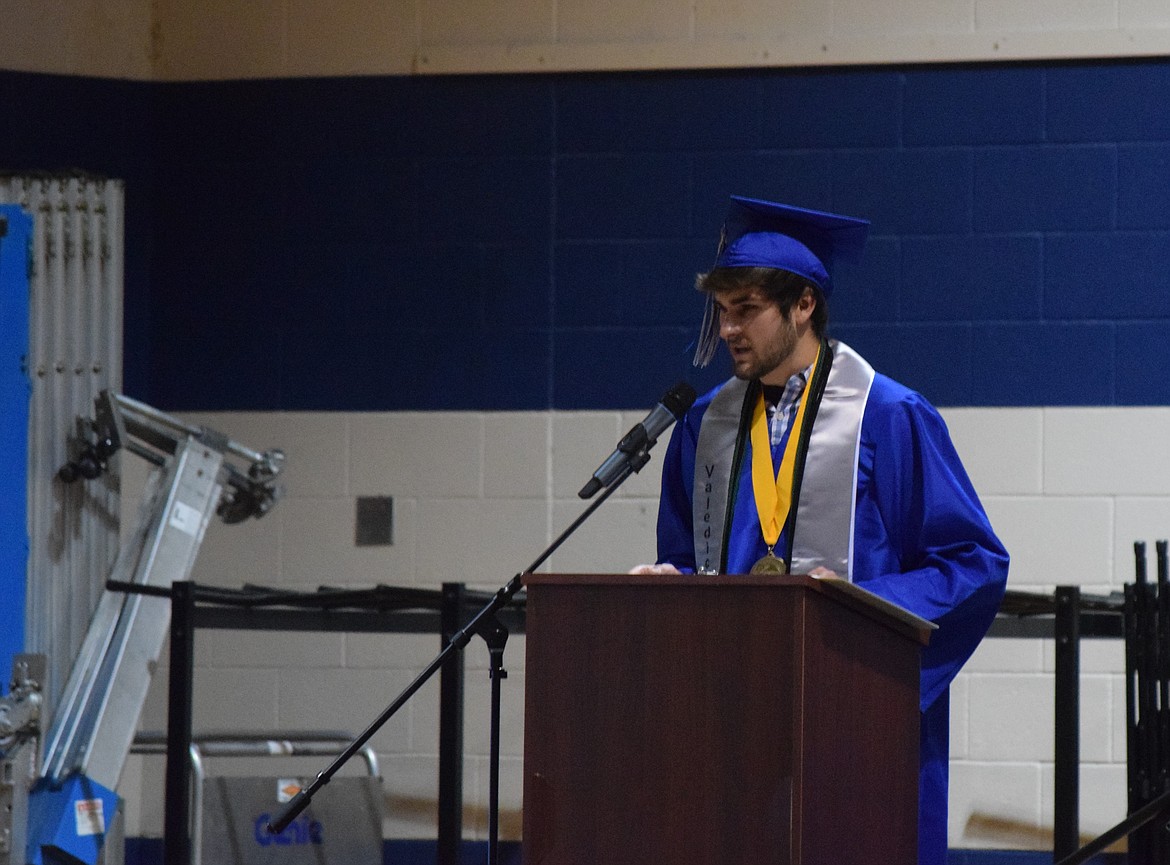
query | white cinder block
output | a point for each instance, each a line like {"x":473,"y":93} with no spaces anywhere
{"x":316,"y":447}
{"x":410,"y":783}
{"x":424,"y":718}
{"x":464,"y":22}
{"x":217,"y":40}
{"x":1145,"y":519}
{"x":116,"y":37}
{"x":664,"y":21}
{"x":1140,"y":14}
{"x":1102,"y":795}
{"x":619,"y":535}
{"x":1120,"y":720}
{"x":893,"y":17}
{"x":647,"y":482}
{"x":1011,"y":717}
{"x":477,"y":714}
{"x":357,"y":37}
{"x":319,"y":547}
{"x":1054,"y":541}
{"x":133,"y":475}
{"x":516,"y":455}
{"x":246,"y":552}
{"x":1007,"y":655}
{"x":1009,"y":15}
{"x":761,"y":19}
{"x":581,"y":442}
{"x":478,"y":496}
{"x":1097,"y":655}
{"x":25,"y":35}
{"x":220,"y":39}
{"x":130,"y":788}
{"x":268,"y":650}
{"x":483,"y":543}
{"x":228,"y":699}
{"x":999,"y":447}
{"x":995,"y":806}
{"x":1106,"y":451}
{"x":391,"y":651}
{"x":345,"y":700}
{"x":511,"y":789}
{"x":145,"y":816}
{"x":108,"y":39}
{"x":417,"y":454}
{"x":1103,"y":798}
{"x":960,"y":717}
{"x":153,"y":717}
{"x":1097,"y":715}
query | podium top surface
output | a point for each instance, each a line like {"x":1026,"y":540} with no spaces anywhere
{"x":840,"y":590}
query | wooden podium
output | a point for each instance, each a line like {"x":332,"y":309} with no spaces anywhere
{"x":702,"y":720}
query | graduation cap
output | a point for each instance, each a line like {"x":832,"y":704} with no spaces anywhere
{"x":760,"y":233}
{"x":805,"y":242}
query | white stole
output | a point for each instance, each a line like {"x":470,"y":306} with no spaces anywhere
{"x":823,"y":527}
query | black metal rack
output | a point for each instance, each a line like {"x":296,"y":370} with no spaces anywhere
{"x":1147,"y":687}
{"x":1140,"y":615}
{"x":382,"y":609}
{"x":1066,"y":616}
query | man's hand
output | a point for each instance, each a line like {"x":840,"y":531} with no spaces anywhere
{"x":655,"y":569}
{"x":821,"y":572}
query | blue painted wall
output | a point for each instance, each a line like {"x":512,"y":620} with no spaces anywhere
{"x":60,"y":123}
{"x":530,"y":242}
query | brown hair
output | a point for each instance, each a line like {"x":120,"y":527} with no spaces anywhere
{"x":780,"y":286}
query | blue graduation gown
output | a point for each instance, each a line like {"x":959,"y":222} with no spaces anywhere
{"x":921,"y":540}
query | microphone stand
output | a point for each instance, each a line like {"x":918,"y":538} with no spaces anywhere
{"x":495,"y":635}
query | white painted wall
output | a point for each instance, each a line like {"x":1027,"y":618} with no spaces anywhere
{"x":221,"y":39}
{"x":480,"y":495}
{"x":104,"y":38}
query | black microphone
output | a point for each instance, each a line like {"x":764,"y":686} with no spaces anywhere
{"x":290,"y":812}
{"x":641,"y":438}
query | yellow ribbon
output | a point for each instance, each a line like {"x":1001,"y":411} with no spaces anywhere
{"x":773,"y":490}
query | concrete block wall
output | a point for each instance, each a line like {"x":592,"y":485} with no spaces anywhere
{"x":285,"y":239}
{"x":479,"y":495}
{"x":1069,"y":490}
{"x":180,"y":40}
{"x":290,"y":37}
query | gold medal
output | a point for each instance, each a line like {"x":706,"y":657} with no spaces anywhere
{"x":770,"y":564}
{"x":772,"y":487}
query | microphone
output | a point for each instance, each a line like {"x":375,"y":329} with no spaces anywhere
{"x":641,"y":438}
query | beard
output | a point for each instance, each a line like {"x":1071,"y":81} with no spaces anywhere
{"x":760,"y":358}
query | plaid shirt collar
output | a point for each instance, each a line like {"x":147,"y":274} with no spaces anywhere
{"x":781,"y":415}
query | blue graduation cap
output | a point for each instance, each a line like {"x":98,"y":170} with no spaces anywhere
{"x":805,"y":242}
{"x":765,"y":234}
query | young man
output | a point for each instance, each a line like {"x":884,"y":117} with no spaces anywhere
{"x":808,"y":461}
